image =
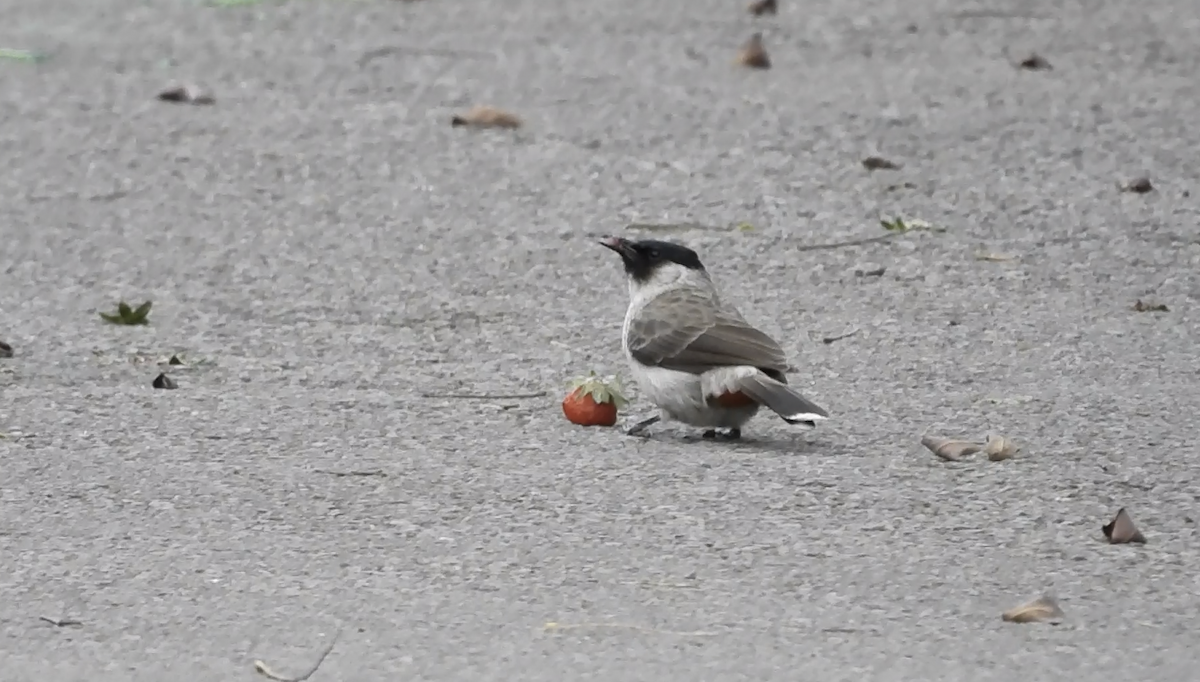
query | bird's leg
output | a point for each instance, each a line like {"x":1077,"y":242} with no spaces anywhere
{"x":723,"y":434}
{"x":639,"y":428}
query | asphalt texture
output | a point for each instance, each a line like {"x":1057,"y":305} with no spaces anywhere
{"x":326,"y":252}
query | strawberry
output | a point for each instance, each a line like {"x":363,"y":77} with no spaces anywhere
{"x":593,"y":401}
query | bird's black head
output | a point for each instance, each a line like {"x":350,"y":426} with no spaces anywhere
{"x":643,"y":258}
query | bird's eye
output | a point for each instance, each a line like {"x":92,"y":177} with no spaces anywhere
{"x":654,"y":253}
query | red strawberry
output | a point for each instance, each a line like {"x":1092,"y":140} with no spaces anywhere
{"x":593,"y":401}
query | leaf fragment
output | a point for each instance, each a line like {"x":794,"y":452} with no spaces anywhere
{"x":761,"y":7}
{"x":752,"y":54}
{"x":1044,"y":609}
{"x":187,"y":94}
{"x":873,"y":163}
{"x":1121,"y":530}
{"x":1138,"y":186}
{"x":1000,"y":448}
{"x":164,"y":382}
{"x":1144,"y":307}
{"x":950,"y":450}
{"x":28,"y":56}
{"x":486,"y":117}
{"x":1035,"y":62}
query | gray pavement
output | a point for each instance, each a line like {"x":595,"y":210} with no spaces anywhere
{"x":335,"y":250}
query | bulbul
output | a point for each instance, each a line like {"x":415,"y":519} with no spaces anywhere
{"x":694,"y":356}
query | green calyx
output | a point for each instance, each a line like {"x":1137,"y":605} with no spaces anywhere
{"x":601,"y":390}
{"x":128,"y":315}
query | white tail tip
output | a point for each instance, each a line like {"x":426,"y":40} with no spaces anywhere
{"x":806,"y":418}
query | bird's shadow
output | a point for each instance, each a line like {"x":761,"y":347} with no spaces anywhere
{"x":803,"y":443}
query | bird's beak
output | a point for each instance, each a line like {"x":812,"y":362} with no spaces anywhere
{"x":621,"y":246}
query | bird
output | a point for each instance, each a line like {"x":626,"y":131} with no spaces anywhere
{"x":693,"y":355}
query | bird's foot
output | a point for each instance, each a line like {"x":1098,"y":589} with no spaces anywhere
{"x":723,"y":434}
{"x":638,"y":430}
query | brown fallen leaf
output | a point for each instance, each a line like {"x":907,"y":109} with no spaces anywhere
{"x":762,"y":7}
{"x":950,"y":450}
{"x":873,"y":163}
{"x":1144,"y":307}
{"x":993,"y":257}
{"x":486,"y":117}
{"x":186,"y":94}
{"x":1138,"y":186}
{"x":1121,"y":530}
{"x":1035,"y":62}
{"x":1000,"y":448}
{"x":1043,"y":609}
{"x":753,"y":55}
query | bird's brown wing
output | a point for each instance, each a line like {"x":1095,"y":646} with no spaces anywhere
{"x":691,"y":331}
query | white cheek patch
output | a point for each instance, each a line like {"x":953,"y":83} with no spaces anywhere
{"x":724,"y":379}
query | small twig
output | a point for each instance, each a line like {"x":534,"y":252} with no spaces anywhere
{"x":60,"y":622}
{"x":852,"y":242}
{"x":627,"y":626}
{"x":263,"y":669}
{"x":484,"y":396}
{"x":831,"y":339}
{"x":339,"y":474}
{"x":371,"y":55}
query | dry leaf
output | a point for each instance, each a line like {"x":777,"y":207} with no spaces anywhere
{"x":1121,"y":530}
{"x":1035,"y":62}
{"x":163,"y":381}
{"x":993,"y":257}
{"x":1138,"y":186}
{"x":763,"y":7}
{"x":486,"y":117}
{"x":186,"y":94}
{"x":753,"y":55}
{"x":950,"y":450}
{"x":1000,"y":448}
{"x":1040,"y":610}
{"x":872,"y":163}
{"x":1143,"y":307}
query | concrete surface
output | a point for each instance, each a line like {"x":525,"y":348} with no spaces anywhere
{"x":334,"y":250}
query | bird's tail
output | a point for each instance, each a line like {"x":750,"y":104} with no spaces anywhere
{"x":782,"y":400}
